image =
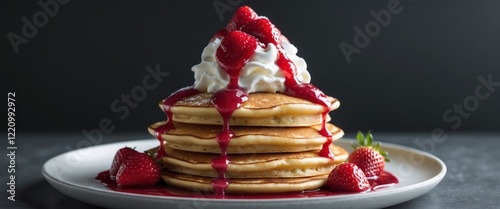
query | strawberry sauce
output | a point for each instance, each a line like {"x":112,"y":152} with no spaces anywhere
{"x":235,"y":51}
{"x":226,"y":101}
{"x":169,"y":102}
{"x":161,"y":189}
{"x":308,"y":92}
{"x":385,"y":179}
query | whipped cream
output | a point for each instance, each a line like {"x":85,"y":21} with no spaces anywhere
{"x":260,"y":73}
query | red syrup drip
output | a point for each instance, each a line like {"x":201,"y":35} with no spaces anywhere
{"x":234,"y":52}
{"x":306,"y":91}
{"x":226,"y":101}
{"x":325,"y":150}
{"x":167,"y":104}
{"x":386,"y":179}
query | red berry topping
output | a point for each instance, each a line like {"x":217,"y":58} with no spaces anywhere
{"x":370,"y":159}
{"x":347,"y":177}
{"x":120,"y":156}
{"x":138,"y":170}
{"x":243,"y":16}
{"x":234,"y":51}
{"x":264,"y":30}
{"x":309,"y":92}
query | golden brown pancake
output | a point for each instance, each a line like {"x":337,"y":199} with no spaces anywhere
{"x":268,"y":165}
{"x":246,"y":186}
{"x":247,"y":139}
{"x":275,"y":147}
{"x":261,"y":109}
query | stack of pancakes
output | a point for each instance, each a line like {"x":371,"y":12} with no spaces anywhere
{"x":275,"y":147}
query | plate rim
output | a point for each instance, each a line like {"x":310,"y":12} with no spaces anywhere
{"x":435,"y":179}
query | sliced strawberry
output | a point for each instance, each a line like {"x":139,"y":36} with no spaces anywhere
{"x":347,"y":177}
{"x":121,"y":155}
{"x":138,"y":170}
{"x":235,"y":50}
{"x":264,"y":30}
{"x":241,"y":17}
{"x":370,"y":159}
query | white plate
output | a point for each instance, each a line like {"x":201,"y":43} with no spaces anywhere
{"x":73,"y":174}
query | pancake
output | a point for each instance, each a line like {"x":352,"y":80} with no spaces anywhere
{"x":246,"y":186}
{"x":261,"y":109}
{"x":247,"y":139}
{"x":275,"y":147}
{"x":268,"y":165}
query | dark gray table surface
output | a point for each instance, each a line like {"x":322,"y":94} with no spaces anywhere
{"x":472,"y":180}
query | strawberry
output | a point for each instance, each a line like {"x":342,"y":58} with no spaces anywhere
{"x":241,"y":17}
{"x":263,"y":30}
{"x":370,"y":159}
{"x":347,"y":177}
{"x":234,"y":51}
{"x":138,"y":170}
{"x":121,"y":155}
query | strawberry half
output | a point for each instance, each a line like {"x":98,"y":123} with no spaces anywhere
{"x":121,"y":155}
{"x":241,"y":17}
{"x":138,"y":170}
{"x":370,"y":159}
{"x":263,"y":30}
{"x":234,"y":51}
{"x":347,"y":177}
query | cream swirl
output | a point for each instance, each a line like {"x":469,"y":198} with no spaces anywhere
{"x":260,"y":73}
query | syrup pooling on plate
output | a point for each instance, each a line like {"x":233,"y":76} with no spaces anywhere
{"x":384,"y":180}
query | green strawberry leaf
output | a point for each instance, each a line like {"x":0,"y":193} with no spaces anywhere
{"x":369,"y":138}
{"x":366,"y":140}
{"x":361,"y":138}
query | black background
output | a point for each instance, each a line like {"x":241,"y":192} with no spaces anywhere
{"x":423,"y":62}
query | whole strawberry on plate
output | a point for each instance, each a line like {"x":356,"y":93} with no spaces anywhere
{"x":347,"y":177}
{"x":369,"y":158}
{"x":120,"y":156}
{"x":139,"y":169}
